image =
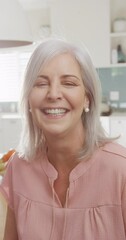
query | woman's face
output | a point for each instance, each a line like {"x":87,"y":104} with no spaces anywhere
{"x":58,"y":97}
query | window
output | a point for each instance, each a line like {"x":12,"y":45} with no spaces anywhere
{"x":12,"y":66}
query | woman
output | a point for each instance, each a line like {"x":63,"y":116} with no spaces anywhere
{"x":68,"y":179}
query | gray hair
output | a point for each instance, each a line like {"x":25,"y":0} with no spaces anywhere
{"x":32,"y":139}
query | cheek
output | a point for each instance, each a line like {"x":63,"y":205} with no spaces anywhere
{"x":77,"y":103}
{"x":80,"y":98}
{"x":34,"y":99}
{"x":81,"y":103}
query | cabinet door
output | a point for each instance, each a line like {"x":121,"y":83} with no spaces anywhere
{"x":84,"y":22}
{"x":118,"y":128}
{"x":11,"y":132}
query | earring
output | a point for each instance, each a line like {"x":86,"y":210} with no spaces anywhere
{"x":87,"y":109}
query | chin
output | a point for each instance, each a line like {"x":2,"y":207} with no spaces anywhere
{"x":56,"y":132}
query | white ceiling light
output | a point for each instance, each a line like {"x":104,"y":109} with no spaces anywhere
{"x":14,"y":26}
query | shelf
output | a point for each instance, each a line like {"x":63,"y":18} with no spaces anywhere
{"x":111,"y":65}
{"x":118,"y":65}
{"x":118,"y":34}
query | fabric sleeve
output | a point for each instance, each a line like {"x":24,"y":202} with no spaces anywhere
{"x":6,"y":187}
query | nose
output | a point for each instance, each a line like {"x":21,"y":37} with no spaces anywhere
{"x":54,"y":92}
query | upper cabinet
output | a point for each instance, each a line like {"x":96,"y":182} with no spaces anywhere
{"x":118,"y":32}
{"x":84,"y":22}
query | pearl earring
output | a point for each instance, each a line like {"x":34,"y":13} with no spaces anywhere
{"x":86,"y":109}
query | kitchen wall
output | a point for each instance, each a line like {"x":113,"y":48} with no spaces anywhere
{"x":114,"y":80}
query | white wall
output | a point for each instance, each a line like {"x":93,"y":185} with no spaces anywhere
{"x":38,"y":18}
{"x":84,"y":21}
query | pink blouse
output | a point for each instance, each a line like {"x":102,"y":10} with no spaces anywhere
{"x":95,"y":206}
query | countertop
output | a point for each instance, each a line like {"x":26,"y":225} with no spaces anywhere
{"x":118,"y":113}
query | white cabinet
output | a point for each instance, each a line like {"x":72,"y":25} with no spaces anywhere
{"x":84,"y":22}
{"x":118,"y":128}
{"x":105,"y":121}
{"x":10,"y":132}
{"x":115,"y":126}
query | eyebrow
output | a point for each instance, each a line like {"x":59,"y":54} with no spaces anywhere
{"x":63,"y":76}
{"x":70,"y":75}
{"x":42,"y":76}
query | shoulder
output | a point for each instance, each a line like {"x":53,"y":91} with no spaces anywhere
{"x":21,"y":169}
{"x":16,"y":159}
{"x":17,"y":162}
{"x":114,"y":149}
{"x":114,"y":156}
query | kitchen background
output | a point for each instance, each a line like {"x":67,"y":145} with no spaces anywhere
{"x":113,"y":81}
{"x":101,"y":26}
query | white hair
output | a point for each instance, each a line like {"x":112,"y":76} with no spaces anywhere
{"x":32,"y":139}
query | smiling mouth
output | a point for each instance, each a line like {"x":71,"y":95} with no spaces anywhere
{"x":55,"y":111}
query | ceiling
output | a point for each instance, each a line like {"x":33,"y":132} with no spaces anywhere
{"x":34,"y":4}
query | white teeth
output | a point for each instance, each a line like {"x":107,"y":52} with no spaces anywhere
{"x":55,"y":111}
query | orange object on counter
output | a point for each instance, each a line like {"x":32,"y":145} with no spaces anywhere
{"x":7,"y":155}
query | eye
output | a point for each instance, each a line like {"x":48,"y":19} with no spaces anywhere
{"x":69,"y":83}
{"x":41,"y":83}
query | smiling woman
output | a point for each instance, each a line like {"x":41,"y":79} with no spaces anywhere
{"x":68,"y":178}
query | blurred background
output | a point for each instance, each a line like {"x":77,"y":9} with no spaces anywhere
{"x":98,"y":24}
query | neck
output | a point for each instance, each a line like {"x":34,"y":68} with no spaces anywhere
{"x":64,"y":154}
{"x":63,"y":161}
{"x":63,"y":148}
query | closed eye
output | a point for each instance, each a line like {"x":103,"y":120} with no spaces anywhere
{"x":41,"y":81}
{"x":70,"y":80}
{"x":69,"y":83}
